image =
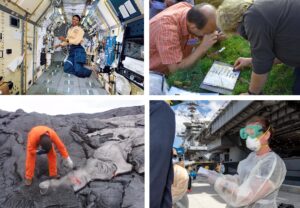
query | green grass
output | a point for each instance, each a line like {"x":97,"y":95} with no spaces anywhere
{"x":280,"y":79}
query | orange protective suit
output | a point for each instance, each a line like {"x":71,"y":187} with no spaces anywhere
{"x":32,"y":145}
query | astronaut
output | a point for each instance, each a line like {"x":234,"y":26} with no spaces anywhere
{"x":74,"y":64}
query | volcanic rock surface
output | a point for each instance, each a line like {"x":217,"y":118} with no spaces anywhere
{"x":108,"y":147}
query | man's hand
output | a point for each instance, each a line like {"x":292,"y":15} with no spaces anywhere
{"x":221,"y":36}
{"x":28,"y":182}
{"x":62,"y":38}
{"x":241,"y":62}
{"x":209,"y":40}
{"x":247,"y":62}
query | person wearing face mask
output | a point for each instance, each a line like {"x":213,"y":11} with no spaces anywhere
{"x":174,"y":33}
{"x":258,"y":177}
{"x":40,"y":141}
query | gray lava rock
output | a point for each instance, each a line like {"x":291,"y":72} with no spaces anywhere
{"x":137,"y":158}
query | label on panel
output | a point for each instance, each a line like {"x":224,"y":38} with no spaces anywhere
{"x":125,"y":9}
{"x":130,"y":7}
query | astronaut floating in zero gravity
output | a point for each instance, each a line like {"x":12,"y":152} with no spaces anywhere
{"x":74,"y":64}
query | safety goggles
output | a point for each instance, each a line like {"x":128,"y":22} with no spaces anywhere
{"x":251,"y":131}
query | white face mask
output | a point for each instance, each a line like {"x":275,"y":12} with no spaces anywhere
{"x":253,"y":144}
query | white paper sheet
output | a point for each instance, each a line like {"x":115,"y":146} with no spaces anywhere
{"x":130,"y":7}
{"x":221,"y":75}
{"x":123,"y":11}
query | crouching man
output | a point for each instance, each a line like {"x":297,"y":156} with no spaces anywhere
{"x":41,"y":140}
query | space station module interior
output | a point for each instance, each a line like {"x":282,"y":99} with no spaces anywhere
{"x":113,"y":42}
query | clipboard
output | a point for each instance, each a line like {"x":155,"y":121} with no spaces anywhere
{"x":220,"y":78}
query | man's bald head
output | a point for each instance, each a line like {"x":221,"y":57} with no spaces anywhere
{"x":201,"y":19}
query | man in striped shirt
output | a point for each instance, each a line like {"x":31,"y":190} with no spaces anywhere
{"x":174,"y":33}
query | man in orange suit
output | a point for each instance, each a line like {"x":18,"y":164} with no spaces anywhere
{"x":40,"y":141}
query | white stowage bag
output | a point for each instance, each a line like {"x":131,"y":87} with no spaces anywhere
{"x":134,"y":65}
{"x":101,"y":60}
{"x":122,"y":85}
{"x":15,"y":63}
{"x":256,"y":184}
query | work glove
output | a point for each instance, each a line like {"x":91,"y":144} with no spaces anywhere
{"x":68,"y":163}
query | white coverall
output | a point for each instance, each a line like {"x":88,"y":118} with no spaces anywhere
{"x":257,"y":183}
